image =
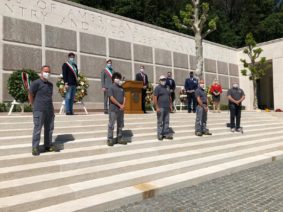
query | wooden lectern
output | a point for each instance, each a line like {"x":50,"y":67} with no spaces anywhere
{"x":133,"y":92}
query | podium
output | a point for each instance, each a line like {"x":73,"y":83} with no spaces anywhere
{"x":133,"y":93}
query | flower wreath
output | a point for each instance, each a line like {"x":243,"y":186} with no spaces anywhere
{"x":19,"y":82}
{"x":81,"y":91}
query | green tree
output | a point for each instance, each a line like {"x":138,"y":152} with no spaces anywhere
{"x":195,"y":17}
{"x":256,"y":67}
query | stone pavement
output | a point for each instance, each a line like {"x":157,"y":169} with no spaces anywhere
{"x":256,"y":189}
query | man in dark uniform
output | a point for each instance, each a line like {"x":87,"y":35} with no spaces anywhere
{"x":106,"y":82}
{"x":201,"y":111}
{"x":170,"y":83}
{"x":163,"y":105}
{"x":117,"y":102}
{"x":70,"y":76}
{"x":235,"y":96}
{"x":141,"y":76}
{"x":191,"y":84}
{"x":40,"y":97}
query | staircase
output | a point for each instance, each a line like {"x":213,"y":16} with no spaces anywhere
{"x":87,"y":175}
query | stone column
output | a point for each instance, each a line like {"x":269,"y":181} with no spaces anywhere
{"x":277,"y":82}
{"x":1,"y":59}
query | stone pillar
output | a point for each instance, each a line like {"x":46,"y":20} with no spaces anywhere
{"x":277,"y":82}
{"x":1,"y":59}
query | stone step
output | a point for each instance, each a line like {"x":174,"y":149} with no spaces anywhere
{"x":101,"y":141}
{"x":13,"y":138}
{"x":86,"y":174}
{"x":28,"y":184}
{"x":60,"y":194}
{"x":8,"y":142}
{"x":25,"y":165}
{"x":25,"y":119}
{"x":18,"y":126}
{"x":115,"y":198}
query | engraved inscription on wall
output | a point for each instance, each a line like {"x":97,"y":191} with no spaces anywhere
{"x":75,"y":18}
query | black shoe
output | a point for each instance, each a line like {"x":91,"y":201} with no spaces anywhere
{"x":160,"y":138}
{"x":35,"y":151}
{"x":207,"y":133}
{"x":68,"y":113}
{"x":105,"y":112}
{"x":189,"y":111}
{"x":51,"y":149}
{"x":198,"y":133}
{"x":239,"y":129}
{"x":144,"y":112}
{"x":170,"y":137}
{"x":121,"y":141}
{"x":110,"y":142}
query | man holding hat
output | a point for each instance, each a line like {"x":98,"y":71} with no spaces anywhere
{"x":163,"y":104}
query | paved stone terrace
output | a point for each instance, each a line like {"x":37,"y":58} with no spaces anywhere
{"x":258,"y":189}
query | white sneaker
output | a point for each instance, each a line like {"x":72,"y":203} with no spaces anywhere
{"x":233,"y":130}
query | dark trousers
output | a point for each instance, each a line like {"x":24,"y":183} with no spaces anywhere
{"x":235,"y":113}
{"x":191,"y":98}
{"x":163,"y":122}
{"x":173,"y":96}
{"x":40,"y":119}
{"x":69,"y":99}
{"x":106,"y":100}
{"x":143,"y":99}
{"x":201,"y":119}
{"x":115,"y":116}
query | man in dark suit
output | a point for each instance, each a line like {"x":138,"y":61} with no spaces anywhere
{"x":170,"y":83}
{"x":141,"y":76}
{"x":106,"y":82}
{"x":191,"y":84}
{"x":70,"y":75}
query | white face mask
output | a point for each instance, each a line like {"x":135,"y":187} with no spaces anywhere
{"x":162,"y":82}
{"x":201,"y":85}
{"x":109,"y":65}
{"x":117,"y":81}
{"x":142,"y":70}
{"x":45,"y":75}
{"x":72,"y":59}
{"x":235,"y":85}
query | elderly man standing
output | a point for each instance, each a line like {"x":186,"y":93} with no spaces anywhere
{"x":235,"y":96}
{"x":163,"y":104}
{"x":40,"y":97}
{"x":201,"y":111}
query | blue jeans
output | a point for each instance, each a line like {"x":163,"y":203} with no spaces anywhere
{"x":69,"y":98}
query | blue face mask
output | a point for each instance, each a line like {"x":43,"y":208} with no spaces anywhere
{"x":109,"y":65}
{"x":72,"y":60}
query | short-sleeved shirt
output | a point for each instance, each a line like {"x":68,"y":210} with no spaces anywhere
{"x":118,"y":93}
{"x":200,"y":92}
{"x":42,"y":92}
{"x":235,"y":93}
{"x":163,"y":96}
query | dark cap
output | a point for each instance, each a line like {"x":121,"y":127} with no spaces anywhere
{"x":71,"y":54}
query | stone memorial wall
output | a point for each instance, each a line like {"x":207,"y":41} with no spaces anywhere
{"x":38,"y":32}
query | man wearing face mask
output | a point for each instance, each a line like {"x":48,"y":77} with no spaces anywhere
{"x":106,"y":82}
{"x":191,"y":84}
{"x":70,"y":76}
{"x":117,"y":102}
{"x":235,"y":96}
{"x":201,"y":111}
{"x":40,"y":97}
{"x":163,"y":105}
{"x":141,"y":76}
{"x":170,"y":83}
